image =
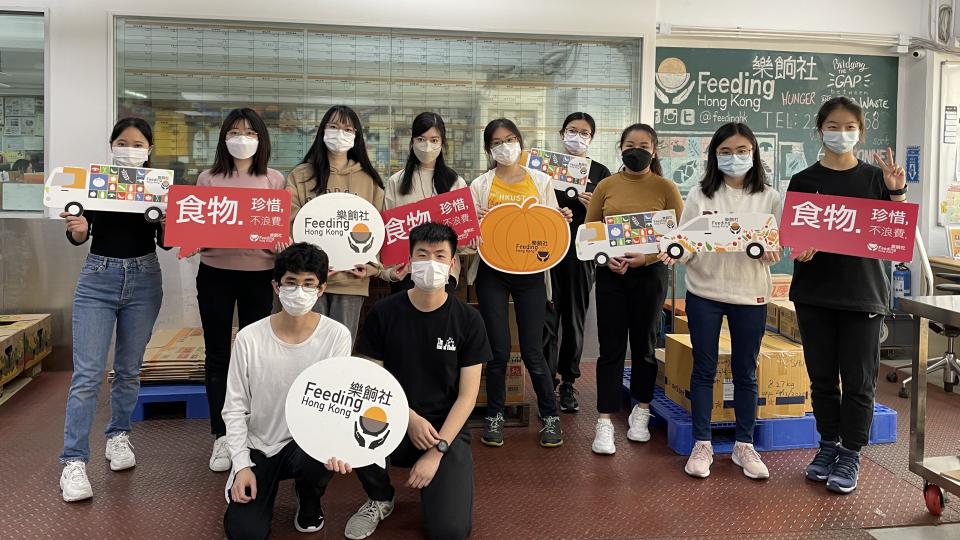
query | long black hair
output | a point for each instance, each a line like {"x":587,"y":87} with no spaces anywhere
{"x":493,"y":126}
{"x":443,"y":176}
{"x":754,"y":181}
{"x":655,"y":166}
{"x":223,"y":163}
{"x":317,"y":155}
{"x":580,"y":116}
{"x":139,"y":124}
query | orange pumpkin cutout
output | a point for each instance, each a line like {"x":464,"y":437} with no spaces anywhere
{"x":523,"y":239}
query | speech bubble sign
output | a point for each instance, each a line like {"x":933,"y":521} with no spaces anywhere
{"x":347,"y":408}
{"x":346,"y":227}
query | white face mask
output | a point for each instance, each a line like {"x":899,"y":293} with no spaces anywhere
{"x":575,"y":143}
{"x":338,"y":141}
{"x":296,"y":301}
{"x":128,"y":156}
{"x":242,"y":147}
{"x":734,"y":165}
{"x":429,"y":275}
{"x":841,"y":142}
{"x":506,"y":153}
{"x":426,"y":151}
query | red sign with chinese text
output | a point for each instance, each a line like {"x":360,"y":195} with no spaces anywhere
{"x":214,"y":217}
{"x":454,"y":208}
{"x":849,"y":226}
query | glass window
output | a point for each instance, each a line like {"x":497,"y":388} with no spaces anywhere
{"x":185,"y":76}
{"x":21,"y":112}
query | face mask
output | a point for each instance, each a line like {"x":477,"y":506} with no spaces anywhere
{"x":506,"y":153}
{"x":242,"y":147}
{"x":426,"y":151}
{"x":841,"y":142}
{"x":128,"y":156}
{"x":338,"y":141}
{"x":429,"y":275}
{"x":636,"y":159}
{"x":296,"y":301}
{"x":575,"y":143}
{"x":734,"y":165}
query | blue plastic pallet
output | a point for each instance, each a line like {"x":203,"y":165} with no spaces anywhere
{"x":194,"y":395}
{"x":769,"y":434}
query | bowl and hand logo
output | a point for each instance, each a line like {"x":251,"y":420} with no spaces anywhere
{"x":372,"y":423}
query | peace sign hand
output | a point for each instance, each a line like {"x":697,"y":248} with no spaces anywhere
{"x":894,"y":176}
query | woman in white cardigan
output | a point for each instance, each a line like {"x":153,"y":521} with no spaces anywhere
{"x":509,"y":182}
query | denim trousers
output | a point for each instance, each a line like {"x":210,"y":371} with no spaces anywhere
{"x":111,"y":293}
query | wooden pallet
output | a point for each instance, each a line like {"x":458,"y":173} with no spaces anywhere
{"x":514,"y":415}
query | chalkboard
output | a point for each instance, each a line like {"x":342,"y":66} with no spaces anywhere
{"x":777,"y":94}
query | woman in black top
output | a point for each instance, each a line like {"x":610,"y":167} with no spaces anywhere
{"x":841,"y":301}
{"x":572,"y":279}
{"x":119,"y":288}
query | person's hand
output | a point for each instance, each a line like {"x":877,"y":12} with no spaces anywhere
{"x":77,"y":226}
{"x":398,"y":272}
{"x":359,"y":271}
{"x":584,"y":198}
{"x":567,"y":214}
{"x":424,"y":470}
{"x":331,"y":271}
{"x":422,"y":434}
{"x":280,"y":246}
{"x":806,"y":255}
{"x":618,"y":265}
{"x":771,"y":257}
{"x":481,"y":212}
{"x":474,"y":244}
{"x":244,"y":479}
{"x":338,"y":466}
{"x":666,"y":258}
{"x":635,"y":260}
{"x":893,"y":175}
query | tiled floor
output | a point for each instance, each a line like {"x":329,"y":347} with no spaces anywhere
{"x":523,"y":491}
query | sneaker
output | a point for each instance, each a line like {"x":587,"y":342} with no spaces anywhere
{"x":568,"y":398}
{"x":120,"y":452}
{"x":493,"y":430}
{"x":603,"y":440}
{"x":551,"y":436}
{"x":819,"y":469}
{"x":698,"y":464}
{"x":309,"y":516}
{"x":639,"y":422}
{"x":745,"y":457}
{"x":843,"y":477}
{"x":74,"y":482}
{"x":220,"y":458}
{"x":365,"y":521}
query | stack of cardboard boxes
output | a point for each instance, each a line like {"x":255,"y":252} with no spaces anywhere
{"x":174,"y":355}
{"x":25,"y":340}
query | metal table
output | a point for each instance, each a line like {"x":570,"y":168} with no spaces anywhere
{"x":943,"y":309}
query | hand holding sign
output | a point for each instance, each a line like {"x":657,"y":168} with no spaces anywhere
{"x":894,"y":176}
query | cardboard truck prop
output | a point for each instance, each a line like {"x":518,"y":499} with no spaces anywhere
{"x":110,"y":188}
{"x":570,"y":173}
{"x":615,"y":236}
{"x":754,"y":234}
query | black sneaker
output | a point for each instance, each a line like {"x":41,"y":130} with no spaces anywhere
{"x":309,"y":516}
{"x":845,"y":473}
{"x":493,"y":430}
{"x":551,"y":436}
{"x":568,"y":398}
{"x":819,"y":469}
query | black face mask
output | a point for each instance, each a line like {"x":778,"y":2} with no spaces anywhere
{"x":636,"y":159}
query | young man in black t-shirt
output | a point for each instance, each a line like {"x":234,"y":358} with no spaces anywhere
{"x":434,"y":345}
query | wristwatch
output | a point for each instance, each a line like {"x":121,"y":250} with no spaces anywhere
{"x":901,"y":191}
{"x":443,"y":446}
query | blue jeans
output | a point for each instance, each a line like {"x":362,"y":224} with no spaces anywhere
{"x":125,"y":293}
{"x":747,"y":324}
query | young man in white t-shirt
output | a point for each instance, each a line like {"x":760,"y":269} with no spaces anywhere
{"x":267,"y":356}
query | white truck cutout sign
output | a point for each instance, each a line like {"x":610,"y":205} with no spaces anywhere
{"x":615,"y":236}
{"x":109,"y":188}
{"x":754,"y":234}
{"x":570,"y":174}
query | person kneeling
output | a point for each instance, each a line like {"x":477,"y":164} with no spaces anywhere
{"x":434,"y":345}
{"x":267,"y":356}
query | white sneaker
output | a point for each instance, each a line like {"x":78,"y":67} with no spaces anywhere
{"x":365,"y":521}
{"x":639,"y":422}
{"x":120,"y":452}
{"x":74,"y":483}
{"x":698,"y":465}
{"x":220,"y":459}
{"x":603,"y":441}
{"x":746,"y":457}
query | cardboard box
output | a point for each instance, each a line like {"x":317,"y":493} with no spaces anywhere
{"x":787,"y":323}
{"x":516,"y":382}
{"x":783,"y":389}
{"x":11,"y":353}
{"x":37,"y":335}
{"x":781,"y":286}
{"x":773,"y":317}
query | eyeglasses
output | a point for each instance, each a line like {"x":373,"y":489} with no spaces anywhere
{"x":742,"y":152}
{"x":242,"y":133}
{"x":432,"y":140}
{"x":345,"y":129}
{"x":509,"y":140}
{"x":304,"y":288}
{"x":585,"y":133}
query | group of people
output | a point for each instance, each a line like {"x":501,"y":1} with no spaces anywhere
{"x":841,"y":301}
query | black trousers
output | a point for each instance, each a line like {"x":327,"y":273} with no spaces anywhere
{"x":842,"y":353}
{"x":218,"y":291}
{"x":628,"y":307}
{"x":252,"y":520}
{"x":529,"y":292}
{"x":571,"y":281}
{"x":447,"y":503}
